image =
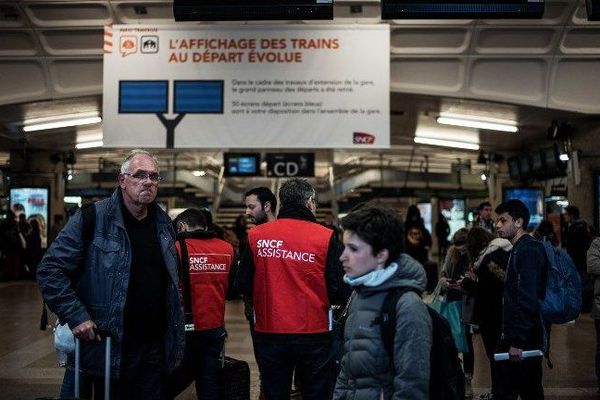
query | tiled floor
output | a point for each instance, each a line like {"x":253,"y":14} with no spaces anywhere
{"x":28,"y":363}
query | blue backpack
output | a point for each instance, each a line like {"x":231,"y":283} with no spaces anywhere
{"x":563,"y":288}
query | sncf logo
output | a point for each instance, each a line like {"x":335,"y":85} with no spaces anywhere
{"x":363,"y":138}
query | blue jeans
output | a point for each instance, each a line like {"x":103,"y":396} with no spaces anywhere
{"x":201,"y":363}
{"x":312,"y":363}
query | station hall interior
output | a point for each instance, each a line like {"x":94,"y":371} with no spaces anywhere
{"x":537,"y":77}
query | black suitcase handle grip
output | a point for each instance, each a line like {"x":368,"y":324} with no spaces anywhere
{"x":102,"y":332}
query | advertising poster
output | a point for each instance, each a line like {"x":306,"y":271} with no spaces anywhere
{"x":454,"y":212}
{"x":35,"y":202}
{"x":276,"y":86}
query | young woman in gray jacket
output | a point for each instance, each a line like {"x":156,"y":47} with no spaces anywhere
{"x":373,"y":265}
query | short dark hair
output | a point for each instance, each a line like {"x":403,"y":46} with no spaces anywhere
{"x":573,"y":211}
{"x":207,"y":217}
{"x":379,"y":226}
{"x":193,"y":217}
{"x":484,"y":204}
{"x":264,"y":194}
{"x":295,"y":192}
{"x":18,"y":207}
{"x":516,"y":209}
{"x":477,"y":240}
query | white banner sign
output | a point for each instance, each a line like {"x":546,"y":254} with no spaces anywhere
{"x":247,"y":87}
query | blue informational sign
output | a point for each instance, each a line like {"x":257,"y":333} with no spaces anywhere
{"x":237,"y":164}
{"x":199,"y":97}
{"x":144,"y":97}
{"x":533,"y":199}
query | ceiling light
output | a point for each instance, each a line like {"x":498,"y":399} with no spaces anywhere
{"x":484,"y":177}
{"x":62,"y":121}
{"x":89,"y":145}
{"x":468,"y":121}
{"x":447,"y":143}
{"x":563,"y":157}
{"x":89,"y":136}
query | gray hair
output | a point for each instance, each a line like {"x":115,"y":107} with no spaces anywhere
{"x":295,"y":192}
{"x":132,"y":154}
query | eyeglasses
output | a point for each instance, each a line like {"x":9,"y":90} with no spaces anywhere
{"x":142,"y":175}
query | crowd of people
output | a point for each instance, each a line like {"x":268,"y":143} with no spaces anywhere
{"x":159,"y":288}
{"x":22,"y":239}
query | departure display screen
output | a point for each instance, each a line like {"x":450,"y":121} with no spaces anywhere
{"x":199,"y":97}
{"x":237,"y":164}
{"x":453,"y":9}
{"x":144,"y":97}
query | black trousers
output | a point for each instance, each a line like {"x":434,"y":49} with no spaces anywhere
{"x":522,"y":378}
{"x":142,"y":367}
{"x":312,"y":364}
{"x":490,"y":335}
{"x":201,"y":363}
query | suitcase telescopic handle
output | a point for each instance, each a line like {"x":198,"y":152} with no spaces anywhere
{"x":107,"y":337}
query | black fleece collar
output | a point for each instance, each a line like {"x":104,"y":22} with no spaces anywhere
{"x":297,"y":212}
{"x":197,"y":234}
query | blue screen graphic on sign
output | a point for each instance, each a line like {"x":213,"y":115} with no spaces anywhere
{"x":143,"y":96}
{"x":533,"y":199}
{"x":199,"y":97}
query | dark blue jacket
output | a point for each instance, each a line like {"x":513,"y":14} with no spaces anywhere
{"x":101,"y":285}
{"x":525,"y":286}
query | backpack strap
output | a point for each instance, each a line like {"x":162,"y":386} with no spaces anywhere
{"x":387,"y":318}
{"x":185,"y":275}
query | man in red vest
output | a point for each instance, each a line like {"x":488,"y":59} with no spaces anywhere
{"x":292,"y":271}
{"x":208,"y":262}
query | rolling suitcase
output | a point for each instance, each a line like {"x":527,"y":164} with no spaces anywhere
{"x":76,"y":391}
{"x":234,"y":379}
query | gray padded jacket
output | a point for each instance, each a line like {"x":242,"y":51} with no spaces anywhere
{"x":366,"y":373}
{"x":593,"y":267}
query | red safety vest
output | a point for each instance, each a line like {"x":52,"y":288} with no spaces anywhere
{"x":290,"y":292}
{"x":210,"y":262}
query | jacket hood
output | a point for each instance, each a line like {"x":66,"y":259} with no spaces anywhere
{"x":410,"y":273}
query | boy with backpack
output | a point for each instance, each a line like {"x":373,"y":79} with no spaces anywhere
{"x":524,"y":289}
{"x":374,"y":266}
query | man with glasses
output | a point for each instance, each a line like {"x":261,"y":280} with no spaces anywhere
{"x":124,"y":281}
{"x":292,"y":271}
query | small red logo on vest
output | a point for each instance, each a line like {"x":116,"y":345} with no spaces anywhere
{"x":363,"y":138}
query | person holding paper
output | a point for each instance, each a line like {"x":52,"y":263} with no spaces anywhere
{"x":525,"y":285}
